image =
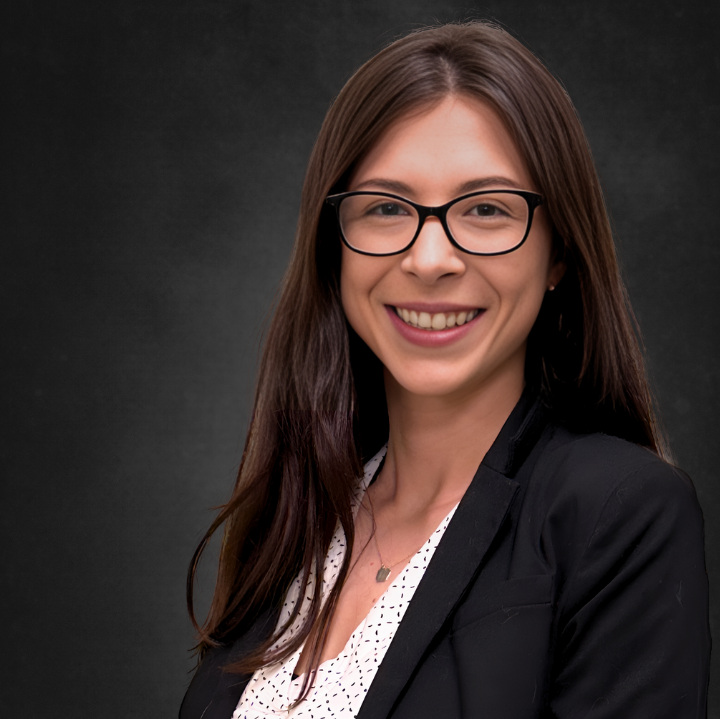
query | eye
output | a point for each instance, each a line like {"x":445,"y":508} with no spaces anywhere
{"x":486,"y":209}
{"x":387,"y":209}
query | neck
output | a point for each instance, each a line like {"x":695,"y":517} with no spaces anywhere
{"x":436,"y":443}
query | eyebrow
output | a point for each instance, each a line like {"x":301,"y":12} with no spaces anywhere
{"x":479,"y":183}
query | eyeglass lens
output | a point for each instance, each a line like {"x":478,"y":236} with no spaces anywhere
{"x":483,"y":223}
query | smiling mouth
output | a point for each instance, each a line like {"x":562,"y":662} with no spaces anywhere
{"x":436,"y":321}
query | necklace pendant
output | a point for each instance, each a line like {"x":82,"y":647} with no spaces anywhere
{"x":382,"y":574}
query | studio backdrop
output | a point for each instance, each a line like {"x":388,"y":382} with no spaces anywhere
{"x":152,"y":176}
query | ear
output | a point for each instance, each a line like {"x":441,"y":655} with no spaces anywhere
{"x":555,"y":274}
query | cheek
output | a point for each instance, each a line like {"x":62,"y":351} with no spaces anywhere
{"x":519,"y":276}
{"x":357,"y":279}
{"x":348,"y":289}
{"x":521,"y":284}
{"x":348,"y":297}
{"x":519,"y":306}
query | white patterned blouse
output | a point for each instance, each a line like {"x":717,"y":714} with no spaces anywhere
{"x":341,"y":683}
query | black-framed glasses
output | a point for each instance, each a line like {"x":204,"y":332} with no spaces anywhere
{"x":490,"y":222}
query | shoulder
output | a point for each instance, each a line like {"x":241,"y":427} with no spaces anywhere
{"x":601,"y":453}
{"x":597,"y":472}
{"x":621,"y":532}
{"x":599,"y":498}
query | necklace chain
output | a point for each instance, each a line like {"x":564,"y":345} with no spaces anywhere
{"x":383,"y":573}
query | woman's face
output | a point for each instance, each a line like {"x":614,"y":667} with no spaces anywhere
{"x":454,"y":147}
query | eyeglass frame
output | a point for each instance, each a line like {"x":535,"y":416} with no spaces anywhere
{"x":533,"y":199}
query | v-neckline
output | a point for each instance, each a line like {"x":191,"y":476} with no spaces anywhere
{"x":357,"y":633}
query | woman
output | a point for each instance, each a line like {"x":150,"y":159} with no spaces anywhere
{"x":452,"y":500}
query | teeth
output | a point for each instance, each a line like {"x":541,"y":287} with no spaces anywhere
{"x":438,"y":321}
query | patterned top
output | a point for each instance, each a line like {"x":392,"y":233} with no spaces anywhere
{"x":341,"y":683}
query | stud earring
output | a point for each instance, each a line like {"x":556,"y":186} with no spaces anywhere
{"x":551,"y":288}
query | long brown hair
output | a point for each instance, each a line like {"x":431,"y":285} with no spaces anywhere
{"x":319,"y":407}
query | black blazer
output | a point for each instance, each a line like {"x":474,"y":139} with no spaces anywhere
{"x":570,"y":583}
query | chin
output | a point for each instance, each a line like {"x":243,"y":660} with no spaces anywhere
{"x":437,"y":384}
{"x":455,"y":381}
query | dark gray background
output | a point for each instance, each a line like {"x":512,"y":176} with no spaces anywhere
{"x":151,"y":180}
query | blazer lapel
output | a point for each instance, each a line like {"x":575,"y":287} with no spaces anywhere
{"x":457,"y":558}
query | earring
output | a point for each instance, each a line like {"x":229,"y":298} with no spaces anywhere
{"x":551,"y":288}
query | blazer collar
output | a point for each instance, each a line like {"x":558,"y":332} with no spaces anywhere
{"x":518,"y":436}
{"x":459,"y":555}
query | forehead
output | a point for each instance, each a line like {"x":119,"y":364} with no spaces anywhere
{"x":449,"y":143}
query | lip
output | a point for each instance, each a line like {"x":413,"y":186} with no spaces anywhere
{"x":434,"y":338}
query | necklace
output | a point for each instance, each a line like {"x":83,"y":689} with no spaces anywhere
{"x":384,"y":572}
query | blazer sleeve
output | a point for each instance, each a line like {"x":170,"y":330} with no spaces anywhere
{"x":633,"y":635}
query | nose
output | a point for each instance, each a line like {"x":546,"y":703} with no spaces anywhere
{"x":432,"y":255}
